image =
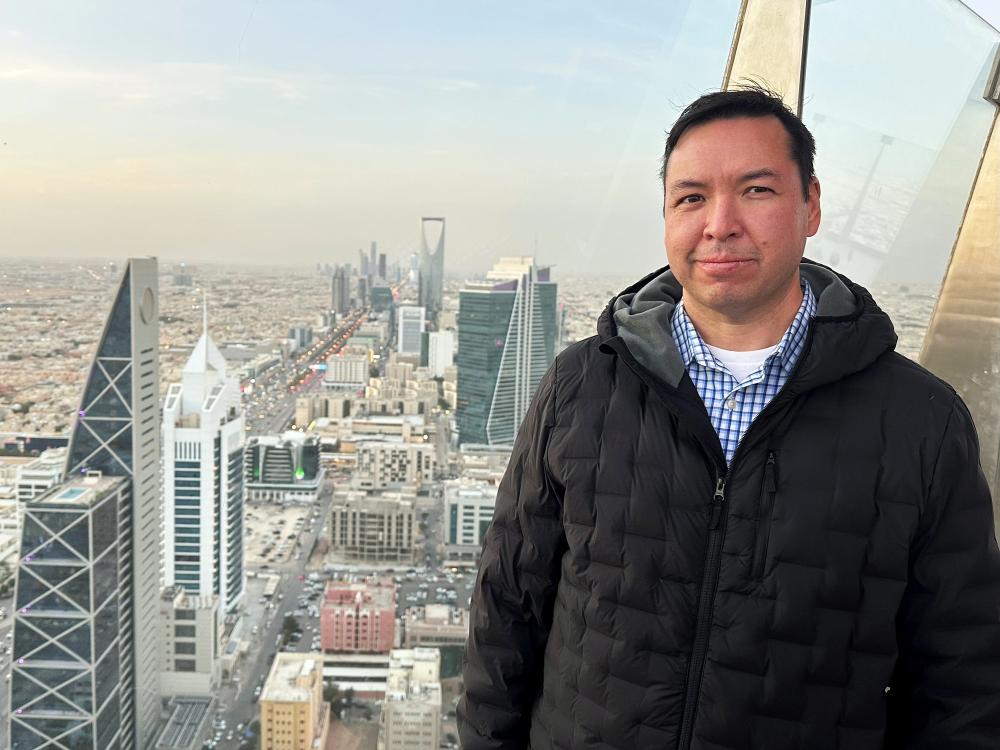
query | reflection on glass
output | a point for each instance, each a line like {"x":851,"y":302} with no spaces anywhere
{"x":900,"y":124}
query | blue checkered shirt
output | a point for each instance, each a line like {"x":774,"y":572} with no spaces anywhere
{"x":733,"y":405}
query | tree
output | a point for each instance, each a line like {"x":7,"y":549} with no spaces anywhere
{"x":331,"y":693}
{"x":288,"y":627}
{"x":349,"y":696}
{"x":6,"y":578}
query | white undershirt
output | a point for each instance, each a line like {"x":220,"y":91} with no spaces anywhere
{"x":741,"y":364}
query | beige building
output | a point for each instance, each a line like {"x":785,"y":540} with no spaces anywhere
{"x":191,"y":660}
{"x":372,"y":528}
{"x":293,"y":715}
{"x":435,"y":625}
{"x":411,"y":714}
{"x":381,"y":464}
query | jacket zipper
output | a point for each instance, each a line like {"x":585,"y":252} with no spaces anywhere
{"x":765,"y":509}
{"x":703,"y":629}
{"x":713,"y":556}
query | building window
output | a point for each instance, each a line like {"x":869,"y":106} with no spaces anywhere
{"x":184,"y":631}
{"x":184,"y":614}
{"x":184,"y":665}
{"x":181,"y":647}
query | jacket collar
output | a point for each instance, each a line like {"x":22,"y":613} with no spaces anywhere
{"x":848,"y":333}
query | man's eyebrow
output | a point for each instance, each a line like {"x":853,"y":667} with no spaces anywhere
{"x":689,"y":184}
{"x":756,"y":174}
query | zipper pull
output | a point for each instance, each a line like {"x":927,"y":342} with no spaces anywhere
{"x":718,"y":499}
{"x":769,"y":483}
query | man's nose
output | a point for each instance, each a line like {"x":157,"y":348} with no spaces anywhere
{"x":722,"y":219}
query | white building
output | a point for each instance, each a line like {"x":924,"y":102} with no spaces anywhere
{"x":347,"y":372}
{"x":382,"y":464}
{"x":440,"y":352}
{"x":35,"y":477}
{"x":411,"y":714}
{"x":191,"y":659}
{"x":469,"y":505}
{"x":203,"y":439}
{"x":410,"y":327}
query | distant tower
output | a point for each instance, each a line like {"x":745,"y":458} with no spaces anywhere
{"x":410,"y":329}
{"x":507,"y":329}
{"x":340,"y":290}
{"x":203,"y":439}
{"x":116,"y":433}
{"x":431,"y":270}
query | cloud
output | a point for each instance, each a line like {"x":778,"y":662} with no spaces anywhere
{"x":166,"y":82}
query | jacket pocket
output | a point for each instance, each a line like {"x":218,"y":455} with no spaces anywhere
{"x":765,"y":508}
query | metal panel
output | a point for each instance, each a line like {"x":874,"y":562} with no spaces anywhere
{"x":769,"y":47}
{"x":962,"y":344}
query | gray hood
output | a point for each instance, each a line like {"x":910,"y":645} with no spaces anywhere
{"x":642,"y":314}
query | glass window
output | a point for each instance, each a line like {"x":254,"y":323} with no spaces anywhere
{"x":900,"y":123}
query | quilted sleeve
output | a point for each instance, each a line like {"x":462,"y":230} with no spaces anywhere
{"x":945,"y":691}
{"x":515,"y":589}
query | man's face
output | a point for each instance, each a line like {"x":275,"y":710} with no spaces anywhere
{"x":736,"y":220}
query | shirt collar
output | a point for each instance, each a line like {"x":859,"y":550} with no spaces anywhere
{"x":692,"y":347}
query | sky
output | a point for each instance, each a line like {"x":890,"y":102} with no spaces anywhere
{"x":297,"y":132}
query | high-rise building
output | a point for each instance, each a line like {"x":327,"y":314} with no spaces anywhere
{"x":75,"y":671}
{"x":411,"y":324}
{"x":440,"y":351}
{"x":381,"y":266}
{"x":506,"y":341}
{"x":293,"y":715}
{"x":382,"y":300}
{"x":203,"y":506}
{"x":362,"y":291}
{"x":87,"y":641}
{"x":431,"y":275}
{"x":340,"y":290}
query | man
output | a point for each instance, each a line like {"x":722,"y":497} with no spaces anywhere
{"x":736,"y":518}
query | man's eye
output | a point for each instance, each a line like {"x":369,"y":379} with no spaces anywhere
{"x":759,"y":189}
{"x":689,"y":199}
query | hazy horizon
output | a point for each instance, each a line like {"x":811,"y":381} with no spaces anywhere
{"x":297,"y":133}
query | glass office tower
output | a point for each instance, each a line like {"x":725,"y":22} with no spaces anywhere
{"x":507,"y":329}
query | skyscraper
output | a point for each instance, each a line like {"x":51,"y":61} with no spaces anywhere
{"x":116,"y":433}
{"x":431,"y":277}
{"x":506,"y":341}
{"x":73,"y":677}
{"x":340,"y":290}
{"x":203,"y":439}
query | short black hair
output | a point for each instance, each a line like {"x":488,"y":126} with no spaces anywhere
{"x":750,"y":100}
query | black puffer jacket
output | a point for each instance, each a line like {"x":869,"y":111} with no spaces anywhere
{"x":838,"y":586}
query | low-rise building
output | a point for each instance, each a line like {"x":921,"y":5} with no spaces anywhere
{"x":435,"y":625}
{"x":191,"y":660}
{"x":382,"y":464}
{"x":469,"y":506}
{"x":411,"y":714}
{"x":372,"y":528}
{"x":283,"y":469}
{"x":358,"y":617}
{"x":293,"y":715}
